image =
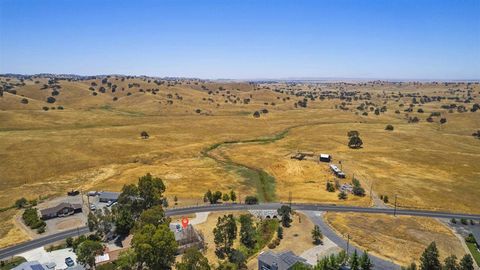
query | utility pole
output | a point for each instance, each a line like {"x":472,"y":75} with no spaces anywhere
{"x":348,"y":243}
{"x":290,"y":199}
{"x":395,"y":208}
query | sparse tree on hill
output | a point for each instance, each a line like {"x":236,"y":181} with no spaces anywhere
{"x":342,"y":195}
{"x":144,"y":135}
{"x":225,"y":197}
{"x":389,"y":127}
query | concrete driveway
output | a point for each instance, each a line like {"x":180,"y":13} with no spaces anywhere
{"x":56,"y":256}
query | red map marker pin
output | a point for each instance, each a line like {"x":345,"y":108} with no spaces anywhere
{"x":184,"y":222}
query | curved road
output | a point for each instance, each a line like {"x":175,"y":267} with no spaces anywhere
{"x":13,"y":250}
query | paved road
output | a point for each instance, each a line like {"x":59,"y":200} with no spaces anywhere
{"x":11,"y":251}
{"x":378,"y":263}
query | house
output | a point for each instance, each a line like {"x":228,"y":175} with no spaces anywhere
{"x":106,"y":196}
{"x":268,"y":260}
{"x":325,"y":157}
{"x":62,"y":210}
{"x":34,"y":265}
{"x":337,"y":171}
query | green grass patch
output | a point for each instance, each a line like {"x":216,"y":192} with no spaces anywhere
{"x":107,"y":266}
{"x":263,"y":182}
{"x":476,"y":254}
{"x":9,"y":264}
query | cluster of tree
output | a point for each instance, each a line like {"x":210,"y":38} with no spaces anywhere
{"x":357,"y":190}
{"x":24,"y":203}
{"x":430,"y":260}
{"x":139,"y":211}
{"x":464,"y":221}
{"x":32,"y":219}
{"x":339,"y":261}
{"x":354,"y":140}
{"x":251,"y":200}
{"x":214,"y":197}
{"x":224,"y":235}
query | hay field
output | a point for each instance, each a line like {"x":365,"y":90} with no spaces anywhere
{"x":401,"y":239}
{"x":93,"y":142}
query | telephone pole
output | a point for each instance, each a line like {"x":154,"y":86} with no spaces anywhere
{"x":290,"y":199}
{"x":395,"y":207}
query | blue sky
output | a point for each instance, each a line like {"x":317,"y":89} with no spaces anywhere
{"x":386,"y":39}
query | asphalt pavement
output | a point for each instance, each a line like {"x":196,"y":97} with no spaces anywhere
{"x":22,"y":247}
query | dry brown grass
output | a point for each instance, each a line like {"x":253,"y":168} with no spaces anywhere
{"x":401,"y":239}
{"x":94,"y":144}
{"x":9,"y":233}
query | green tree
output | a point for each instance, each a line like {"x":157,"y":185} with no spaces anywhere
{"x":430,"y":258}
{"x":354,"y":265}
{"x":285,"y":211}
{"x":20,"y":203}
{"x":466,"y":263}
{"x":225,"y":197}
{"x":365,"y":262}
{"x":412,"y":266}
{"x":124,"y":221}
{"x":280,"y":232}
{"x":342,"y":195}
{"x":193,"y":259}
{"x":451,"y":263}
{"x":224,"y":234}
{"x":317,"y":235}
{"x":87,"y":251}
{"x":247,"y":231}
{"x":155,"y":246}
{"x":151,"y":190}
{"x":355,"y":142}
{"x":233,"y":196}
{"x":154,"y":216}
{"x":127,"y":260}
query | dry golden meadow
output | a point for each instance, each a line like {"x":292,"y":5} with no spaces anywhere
{"x":94,"y":142}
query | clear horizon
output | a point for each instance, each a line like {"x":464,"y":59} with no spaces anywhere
{"x":244,"y":40}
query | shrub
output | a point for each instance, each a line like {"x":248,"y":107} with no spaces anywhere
{"x":256,"y":114}
{"x":385,"y":198}
{"x":24,"y":101}
{"x":453,"y":220}
{"x":45,"y":108}
{"x":51,"y":100}
{"x":464,"y":221}
{"x":389,"y":127}
{"x":251,"y":200}
{"x":20,"y":203}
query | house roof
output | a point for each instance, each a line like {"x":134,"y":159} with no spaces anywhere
{"x":33,"y":265}
{"x":283,"y":260}
{"x":111,"y":196}
{"x":324,"y":155}
{"x":55,"y":209}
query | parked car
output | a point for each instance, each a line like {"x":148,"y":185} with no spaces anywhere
{"x":73,"y":193}
{"x":93,"y":207}
{"x":92,"y":193}
{"x":69,"y":262}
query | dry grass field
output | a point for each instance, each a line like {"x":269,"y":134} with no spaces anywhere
{"x":93,"y":141}
{"x":401,"y":239}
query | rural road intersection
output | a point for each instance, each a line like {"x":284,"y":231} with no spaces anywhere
{"x":309,"y":209}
